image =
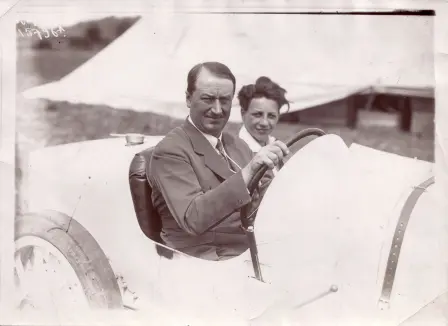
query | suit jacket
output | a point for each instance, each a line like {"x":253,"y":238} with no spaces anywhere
{"x":196,"y":194}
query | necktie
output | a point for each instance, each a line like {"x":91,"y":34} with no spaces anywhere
{"x":220,"y":148}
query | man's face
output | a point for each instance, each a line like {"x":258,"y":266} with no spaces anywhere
{"x":211,"y":102}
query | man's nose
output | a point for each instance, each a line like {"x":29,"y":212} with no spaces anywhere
{"x":216,"y":108}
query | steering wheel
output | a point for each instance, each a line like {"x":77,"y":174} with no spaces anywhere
{"x":262,"y":170}
{"x":246,"y":221}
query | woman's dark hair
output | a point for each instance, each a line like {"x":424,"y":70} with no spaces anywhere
{"x":263,"y":87}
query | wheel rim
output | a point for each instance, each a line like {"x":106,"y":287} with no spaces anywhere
{"x":45,"y":280}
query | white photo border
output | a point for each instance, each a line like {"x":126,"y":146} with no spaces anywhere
{"x":8,"y":85}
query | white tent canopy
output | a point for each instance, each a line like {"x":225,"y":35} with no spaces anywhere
{"x":317,"y":58}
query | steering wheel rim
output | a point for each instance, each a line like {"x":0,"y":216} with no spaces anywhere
{"x":245,"y":221}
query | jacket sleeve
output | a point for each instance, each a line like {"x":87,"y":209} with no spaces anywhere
{"x":193,"y":209}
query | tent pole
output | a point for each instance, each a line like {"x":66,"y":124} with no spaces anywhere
{"x":352,"y":113}
{"x":405,"y":108}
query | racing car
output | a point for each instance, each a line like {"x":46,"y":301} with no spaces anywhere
{"x":344,"y":235}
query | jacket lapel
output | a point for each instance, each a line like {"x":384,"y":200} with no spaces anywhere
{"x":232,"y":150}
{"x":202,"y":147}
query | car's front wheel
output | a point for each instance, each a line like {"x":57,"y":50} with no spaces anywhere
{"x":59,"y":266}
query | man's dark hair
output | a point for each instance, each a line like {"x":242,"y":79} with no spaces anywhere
{"x":263,"y":87}
{"x":216,"y":68}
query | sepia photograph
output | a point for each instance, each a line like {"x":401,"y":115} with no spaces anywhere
{"x":250,"y":168}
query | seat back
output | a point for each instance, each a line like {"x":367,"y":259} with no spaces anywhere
{"x":147,"y":216}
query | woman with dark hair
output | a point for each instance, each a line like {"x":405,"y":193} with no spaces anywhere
{"x":260,"y":109}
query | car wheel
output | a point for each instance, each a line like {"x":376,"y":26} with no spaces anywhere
{"x":59,"y":266}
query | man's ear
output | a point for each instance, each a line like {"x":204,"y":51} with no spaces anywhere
{"x":188,"y":99}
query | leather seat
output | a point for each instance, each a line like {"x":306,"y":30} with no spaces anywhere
{"x":147,"y":216}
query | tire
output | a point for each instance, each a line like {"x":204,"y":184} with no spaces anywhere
{"x":80,"y":249}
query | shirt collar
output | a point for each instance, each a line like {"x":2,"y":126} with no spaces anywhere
{"x":211,"y":139}
{"x":253,"y":144}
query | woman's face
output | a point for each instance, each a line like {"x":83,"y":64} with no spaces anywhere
{"x":261,"y":118}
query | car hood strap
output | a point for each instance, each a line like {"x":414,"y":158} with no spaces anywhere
{"x":397,"y":241}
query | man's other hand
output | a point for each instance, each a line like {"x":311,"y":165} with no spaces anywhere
{"x":270,"y":155}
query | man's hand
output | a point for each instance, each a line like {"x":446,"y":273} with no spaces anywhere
{"x":268,"y":156}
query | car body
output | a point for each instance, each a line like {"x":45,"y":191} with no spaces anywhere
{"x":324,"y":231}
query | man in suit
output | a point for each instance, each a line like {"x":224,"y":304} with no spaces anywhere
{"x":200,"y":174}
